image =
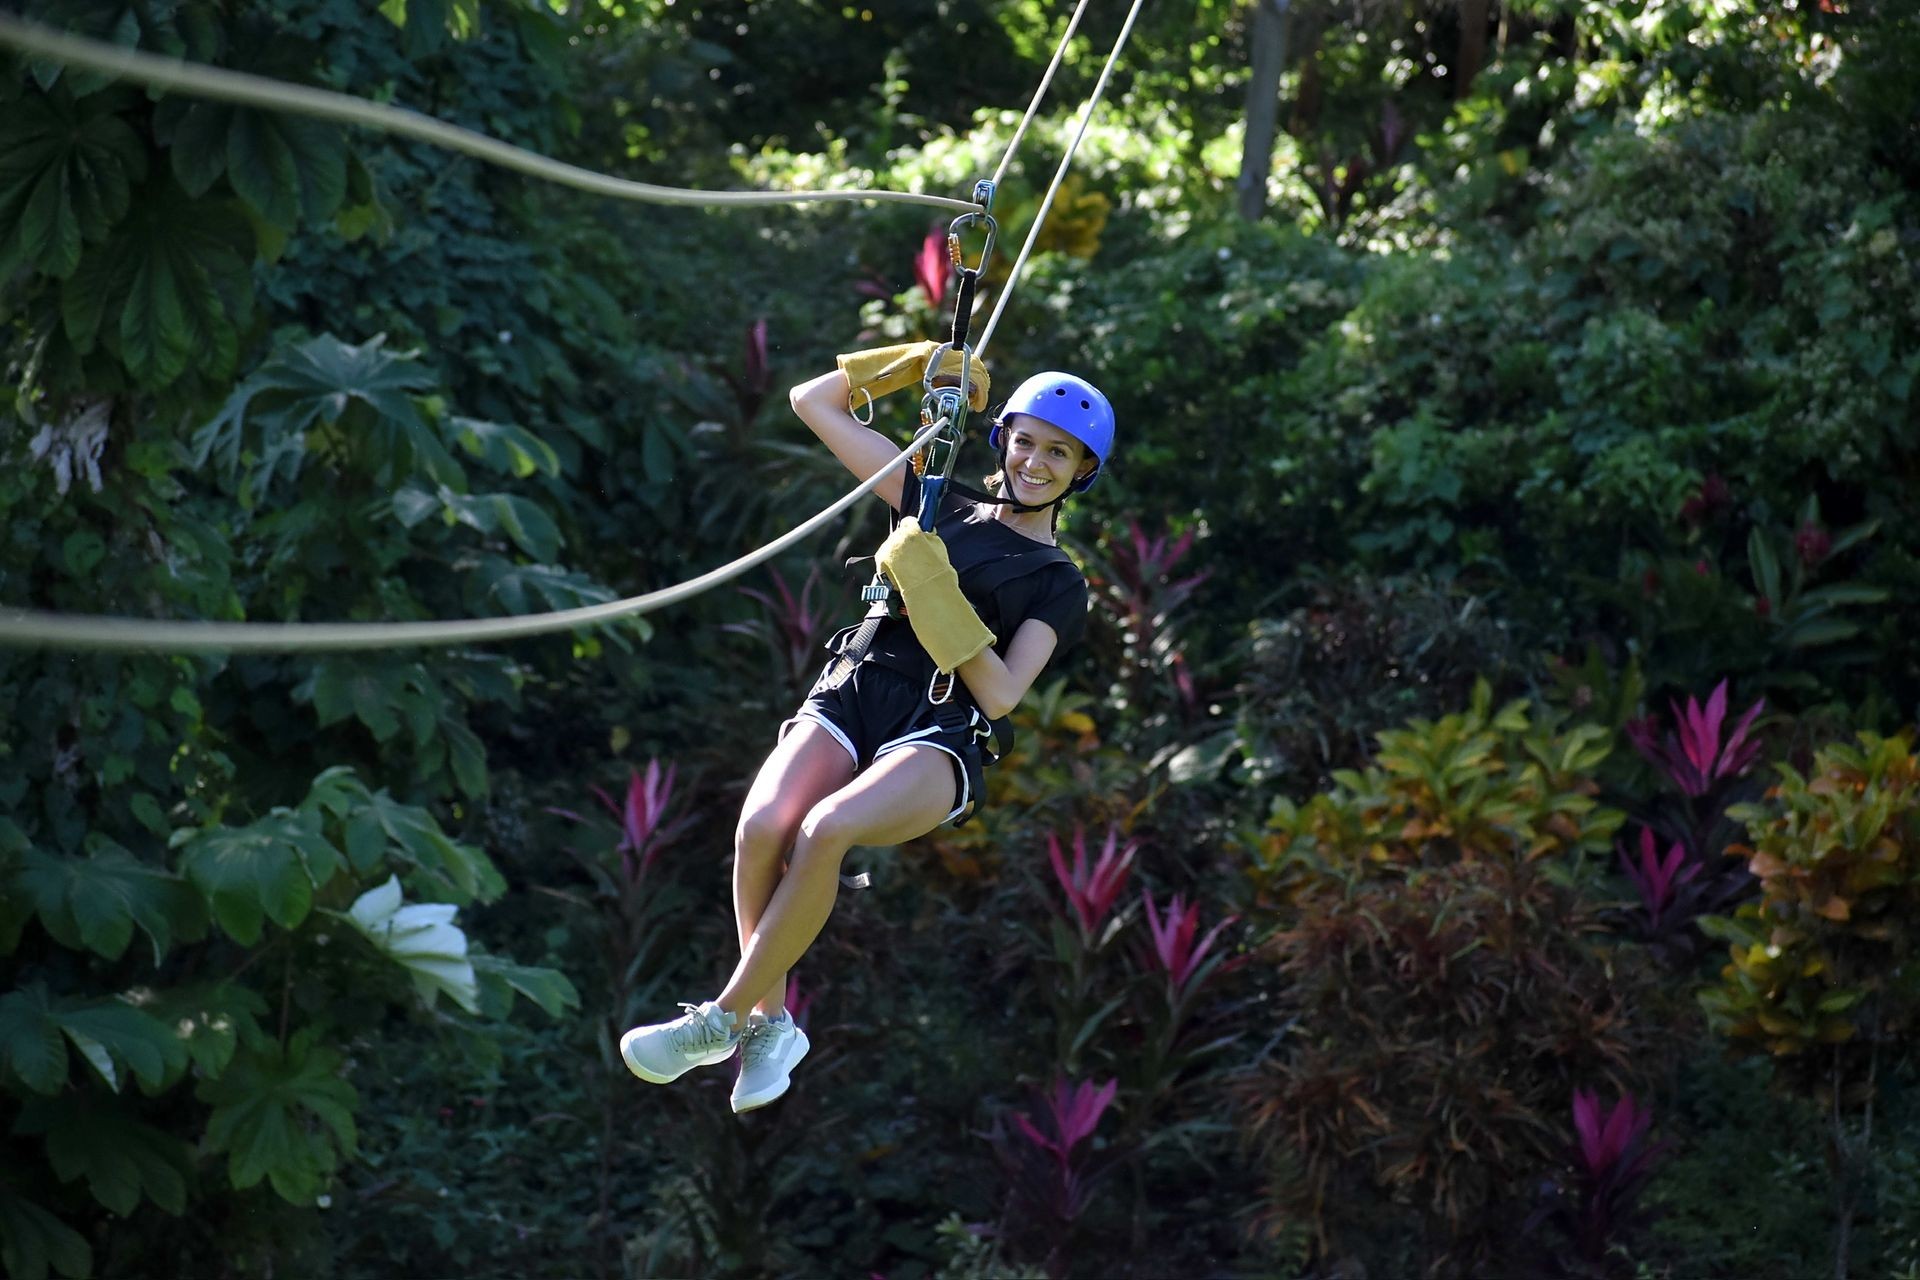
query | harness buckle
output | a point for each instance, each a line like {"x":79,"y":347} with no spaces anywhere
{"x":936,"y":695}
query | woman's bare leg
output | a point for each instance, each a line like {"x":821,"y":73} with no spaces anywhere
{"x":901,"y":797}
{"x":808,"y":765}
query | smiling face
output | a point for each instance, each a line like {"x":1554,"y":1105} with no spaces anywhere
{"x":1042,"y":460}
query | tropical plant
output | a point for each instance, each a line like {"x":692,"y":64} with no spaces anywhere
{"x":1821,"y":963}
{"x":1052,"y":1174}
{"x":1433,"y":947}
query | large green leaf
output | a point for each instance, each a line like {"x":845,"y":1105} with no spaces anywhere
{"x":32,"y":1240}
{"x":421,"y":938}
{"x":170,"y":290}
{"x":281,"y":1116}
{"x":503,"y":447}
{"x":121,"y":1158}
{"x":530,"y":528}
{"x":109,"y":1034}
{"x":211,"y":1019}
{"x":67,"y":171}
{"x":376,"y":825}
{"x":500,"y":977}
{"x":265,"y":870}
{"x":365,"y":391}
{"x":32,"y":1047}
{"x":533,"y":588}
{"x":95,"y":903}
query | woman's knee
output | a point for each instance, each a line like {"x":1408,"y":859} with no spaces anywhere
{"x":764,"y":833}
{"x":825,"y":830}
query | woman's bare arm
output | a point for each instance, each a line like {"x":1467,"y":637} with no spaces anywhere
{"x":998,"y":684}
{"x":822,"y":405}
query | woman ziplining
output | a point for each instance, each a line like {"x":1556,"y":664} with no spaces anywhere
{"x":892,"y":739}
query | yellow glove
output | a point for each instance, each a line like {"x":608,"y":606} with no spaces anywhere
{"x":880,"y":370}
{"x":915,"y":561}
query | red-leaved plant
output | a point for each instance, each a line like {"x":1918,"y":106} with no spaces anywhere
{"x":1591,"y":1211}
{"x":1134,"y":584}
{"x":792,"y":626}
{"x":1051,"y":1169}
{"x":1706,"y":765}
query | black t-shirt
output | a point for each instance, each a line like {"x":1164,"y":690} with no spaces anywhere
{"x":1056,"y":594}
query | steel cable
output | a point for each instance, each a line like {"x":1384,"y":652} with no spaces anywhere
{"x":275,"y":95}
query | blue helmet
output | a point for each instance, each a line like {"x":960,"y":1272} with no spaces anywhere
{"x":1072,"y":404}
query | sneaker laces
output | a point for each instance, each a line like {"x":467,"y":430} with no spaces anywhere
{"x":696,"y":1034}
{"x":757,"y":1041}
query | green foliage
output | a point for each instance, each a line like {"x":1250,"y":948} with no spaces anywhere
{"x":33,"y":1240}
{"x":1823,"y":955}
{"x":95,"y":903}
{"x":1431,"y":936}
{"x":121,"y":1158}
{"x":282,"y":1113}
{"x":67,"y":177}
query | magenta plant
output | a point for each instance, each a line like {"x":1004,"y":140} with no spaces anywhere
{"x":642,"y":815}
{"x":1695,"y":758}
{"x":1092,"y":892}
{"x":792,"y":626}
{"x":1659,"y":879}
{"x":1595,"y":1209}
{"x":799,"y":1002}
{"x":1173,"y":945}
{"x":754,"y":379}
{"x":932,"y":265}
{"x":1136,"y":586}
{"x":1051,"y":1170}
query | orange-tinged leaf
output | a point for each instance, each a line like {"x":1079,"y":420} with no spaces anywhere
{"x":1834,"y":908}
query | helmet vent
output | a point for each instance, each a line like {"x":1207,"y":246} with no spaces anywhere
{"x":1084,"y":404}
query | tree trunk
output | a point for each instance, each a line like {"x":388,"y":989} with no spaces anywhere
{"x":1471,"y":53}
{"x":1263,"y":105}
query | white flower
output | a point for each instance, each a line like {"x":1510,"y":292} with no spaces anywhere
{"x":75,"y":444}
{"x":422,"y":939}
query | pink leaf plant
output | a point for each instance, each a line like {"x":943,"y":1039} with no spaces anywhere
{"x":1612,"y":1164}
{"x":931,"y":264}
{"x":755,"y":377}
{"x":1173,"y":945}
{"x":1074,"y":1111}
{"x":1657,"y":878}
{"x":642,"y":812}
{"x":799,"y":1002}
{"x":1092,"y":893}
{"x":794,"y":624}
{"x":1695,"y":758}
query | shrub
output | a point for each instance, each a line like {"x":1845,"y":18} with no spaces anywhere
{"x":1436,"y":949}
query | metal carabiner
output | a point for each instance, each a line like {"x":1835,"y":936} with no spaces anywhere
{"x":953,"y":239}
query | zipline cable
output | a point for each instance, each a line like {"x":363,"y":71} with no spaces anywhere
{"x":32,"y":627}
{"x":249,"y":90}
{"x":1033,"y":233}
{"x":1034,"y":106}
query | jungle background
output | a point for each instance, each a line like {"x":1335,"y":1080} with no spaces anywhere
{"x":1479,"y":835}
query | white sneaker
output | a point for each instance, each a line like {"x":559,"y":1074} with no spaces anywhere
{"x":666,"y":1051}
{"x":769,"y":1050}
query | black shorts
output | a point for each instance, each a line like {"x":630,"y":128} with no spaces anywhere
{"x":877,"y":711}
